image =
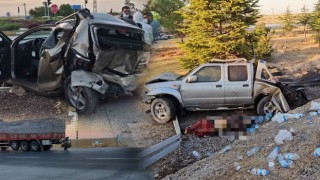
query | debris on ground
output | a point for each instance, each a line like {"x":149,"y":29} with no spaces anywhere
{"x":293,"y":159}
{"x":283,"y":135}
{"x":29,"y":106}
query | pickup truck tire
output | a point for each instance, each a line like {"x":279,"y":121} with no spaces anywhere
{"x":14,"y":145}
{"x":34,"y":146}
{"x":265,"y":106}
{"x":163,"y":110}
{"x":90,"y":98}
{"x":25,"y":146}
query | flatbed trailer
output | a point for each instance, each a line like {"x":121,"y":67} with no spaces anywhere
{"x":33,"y":135}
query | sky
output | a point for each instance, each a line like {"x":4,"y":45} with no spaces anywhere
{"x":266,"y":6}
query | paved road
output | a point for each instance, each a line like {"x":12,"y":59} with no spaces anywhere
{"x":110,"y":120}
{"x":100,"y":163}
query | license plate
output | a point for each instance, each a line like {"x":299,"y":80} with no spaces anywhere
{"x":46,"y":142}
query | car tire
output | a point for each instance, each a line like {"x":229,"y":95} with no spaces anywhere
{"x":34,"y":146}
{"x":265,"y":106}
{"x":90,"y":98}
{"x":163,"y":110}
{"x":14,"y":145}
{"x":25,"y":146}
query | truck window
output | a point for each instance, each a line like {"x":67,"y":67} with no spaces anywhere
{"x":209,"y":74}
{"x":237,"y":73}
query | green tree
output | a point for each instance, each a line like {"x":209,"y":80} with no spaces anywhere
{"x":167,"y":9}
{"x":287,"y":23}
{"x":148,"y":6}
{"x":315,"y":22}
{"x":304,"y":20}
{"x":218,"y":29}
{"x":262,"y":46}
{"x":65,"y":10}
{"x":129,"y":3}
{"x":37,"y":11}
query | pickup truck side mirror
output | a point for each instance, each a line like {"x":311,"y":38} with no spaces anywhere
{"x":192,"y":78}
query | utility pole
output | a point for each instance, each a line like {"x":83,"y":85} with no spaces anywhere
{"x":95,"y":6}
{"x":45,"y":8}
{"x":272,"y":11}
{"x":48,"y":3}
{"x":85,"y":3}
{"x":18,"y":11}
{"x":25,"y":9}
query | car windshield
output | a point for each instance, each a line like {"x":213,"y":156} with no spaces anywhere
{"x":184,"y":75}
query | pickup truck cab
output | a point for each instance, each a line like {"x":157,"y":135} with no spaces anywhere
{"x":222,"y":85}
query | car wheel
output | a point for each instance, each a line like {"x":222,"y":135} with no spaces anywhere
{"x":34,"y":146}
{"x":84,"y":99}
{"x":25,"y":146}
{"x":14,"y":145}
{"x":265,"y":106}
{"x":163,"y":110}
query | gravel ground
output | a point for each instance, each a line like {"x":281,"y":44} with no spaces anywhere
{"x":306,"y":138}
{"x":28,"y":106}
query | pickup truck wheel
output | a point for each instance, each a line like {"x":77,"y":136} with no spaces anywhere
{"x":25,"y":146}
{"x":84,"y":99}
{"x":14,"y":145}
{"x":163,"y":110}
{"x":34,"y":146}
{"x":265,"y":106}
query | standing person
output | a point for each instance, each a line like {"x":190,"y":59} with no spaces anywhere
{"x":126,"y":15}
{"x":148,"y":33}
{"x":148,"y":18}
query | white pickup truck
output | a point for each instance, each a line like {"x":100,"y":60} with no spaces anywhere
{"x":221,"y":85}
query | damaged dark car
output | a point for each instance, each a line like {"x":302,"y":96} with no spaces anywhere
{"x":88,"y":56}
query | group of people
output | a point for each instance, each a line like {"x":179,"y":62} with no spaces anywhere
{"x":145,"y":21}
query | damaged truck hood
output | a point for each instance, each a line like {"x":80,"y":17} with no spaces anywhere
{"x":164,"y":78}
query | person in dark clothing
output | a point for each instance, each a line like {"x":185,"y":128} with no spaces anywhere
{"x":126,"y":15}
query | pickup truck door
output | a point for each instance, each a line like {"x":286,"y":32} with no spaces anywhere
{"x":207,"y":91}
{"x":5,"y":60}
{"x":238,"y":84}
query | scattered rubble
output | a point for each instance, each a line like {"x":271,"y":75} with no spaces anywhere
{"x":29,"y":106}
{"x":300,"y":156}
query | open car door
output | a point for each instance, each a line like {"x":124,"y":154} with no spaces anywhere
{"x":5,"y":63}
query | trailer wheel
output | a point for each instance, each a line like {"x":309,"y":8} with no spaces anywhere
{"x":34,"y":146}
{"x":25,"y":146}
{"x":14,"y":145}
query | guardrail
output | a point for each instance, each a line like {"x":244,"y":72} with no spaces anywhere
{"x":158,"y":151}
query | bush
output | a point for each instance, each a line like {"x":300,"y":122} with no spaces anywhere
{"x":8,"y":26}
